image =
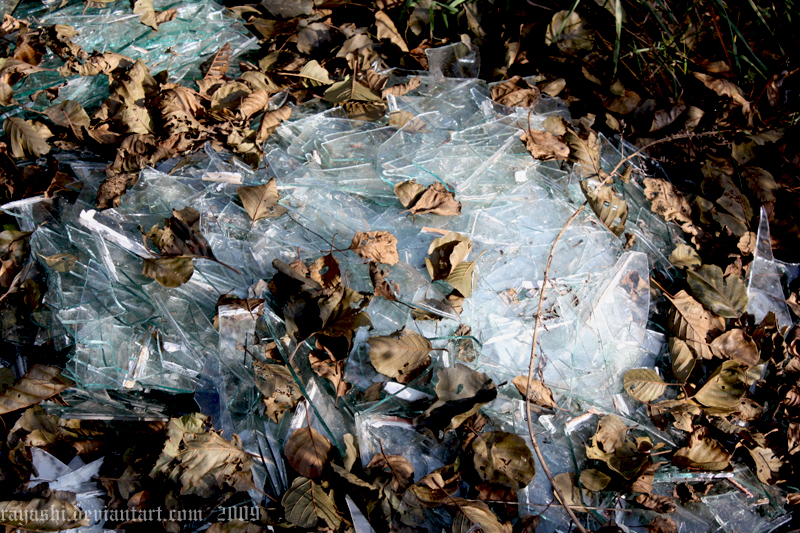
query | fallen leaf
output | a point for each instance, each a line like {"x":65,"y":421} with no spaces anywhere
{"x":219,"y":63}
{"x":270,"y":122}
{"x":545,"y":146}
{"x":460,"y":392}
{"x":25,"y":141}
{"x":725,"y":297}
{"x":702,"y":453}
{"x":69,"y":114}
{"x":568,"y":485}
{"x":770,"y":467}
{"x":725,"y":387}
{"x":435,"y":199}
{"x":385,"y":29}
{"x":725,"y":88}
{"x":594,"y":480}
{"x":683,"y":359}
{"x":382,"y":287}
{"x":656,"y":502}
{"x":261,"y":201}
{"x":305,"y":503}
{"x":662,"y":524}
{"x":692,"y":323}
{"x":403,"y":355}
{"x":379,"y":246}
{"x":504,"y":458}
{"x":644,"y":384}
{"x":169,"y":271}
{"x":39,"y":383}
{"x":610,"y":208}
{"x":568,"y":30}
{"x":472,"y":514}
{"x":326,"y":366}
{"x":445,"y":253}
{"x":278,"y":386}
{"x":436,"y":488}
{"x":539,"y":393}
{"x":685,"y":256}
{"x":397,"y":466}
{"x":307,"y":451}
{"x":611,"y":433}
{"x":402,"y":88}
{"x":314,"y":75}
{"x":736,"y":345}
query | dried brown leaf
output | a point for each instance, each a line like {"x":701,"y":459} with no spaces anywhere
{"x":397,"y":466}
{"x":545,"y":146}
{"x":403,"y":355}
{"x":656,"y":502}
{"x":702,"y":453}
{"x":539,"y":393}
{"x":219,"y":63}
{"x":39,"y":383}
{"x":504,"y":458}
{"x":401,"y":88}
{"x":307,"y":451}
{"x":270,"y":122}
{"x":736,"y":345}
{"x":378,"y":246}
{"x":262,"y":201}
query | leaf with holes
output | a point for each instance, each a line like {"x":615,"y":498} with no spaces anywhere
{"x":504,"y":458}
{"x":725,"y":387}
{"x":305,"y":503}
{"x":403,"y":355}
{"x":611,"y":209}
{"x":727,"y":297}
{"x":261,"y":201}
{"x":219,"y":63}
{"x":643,"y":384}
{"x":307,"y":451}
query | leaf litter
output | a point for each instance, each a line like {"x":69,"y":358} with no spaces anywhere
{"x":381,"y":381}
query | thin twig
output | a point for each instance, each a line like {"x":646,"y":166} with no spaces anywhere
{"x":538,"y":321}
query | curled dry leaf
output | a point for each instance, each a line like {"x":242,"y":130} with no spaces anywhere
{"x":261,"y":201}
{"x":515,"y":92}
{"x":683,"y":359}
{"x":644,"y":384}
{"x":379,"y":246}
{"x":307,"y":451}
{"x":685,"y":256}
{"x":383,"y":287}
{"x":403,"y":355}
{"x":278,"y":386}
{"x":610,"y":208}
{"x":219,"y":63}
{"x":770,"y":467}
{"x":702,"y":453}
{"x":401,"y":88}
{"x":39,"y":383}
{"x":435,"y":199}
{"x":314,"y":75}
{"x":539,"y":393}
{"x":436,"y":488}
{"x":736,"y":345}
{"x":397,"y":466}
{"x":69,"y":114}
{"x":658,"y":503}
{"x":662,"y":524}
{"x":26,"y":142}
{"x":445,"y":253}
{"x":611,"y":433}
{"x":326,"y":366}
{"x":385,"y":29}
{"x":270,"y":122}
{"x":545,"y":146}
{"x":725,"y":88}
{"x":692,"y":323}
{"x":504,"y":458}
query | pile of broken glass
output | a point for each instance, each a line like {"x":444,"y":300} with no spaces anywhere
{"x":336,"y":177}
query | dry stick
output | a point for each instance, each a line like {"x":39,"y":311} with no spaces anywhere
{"x":536,"y":448}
